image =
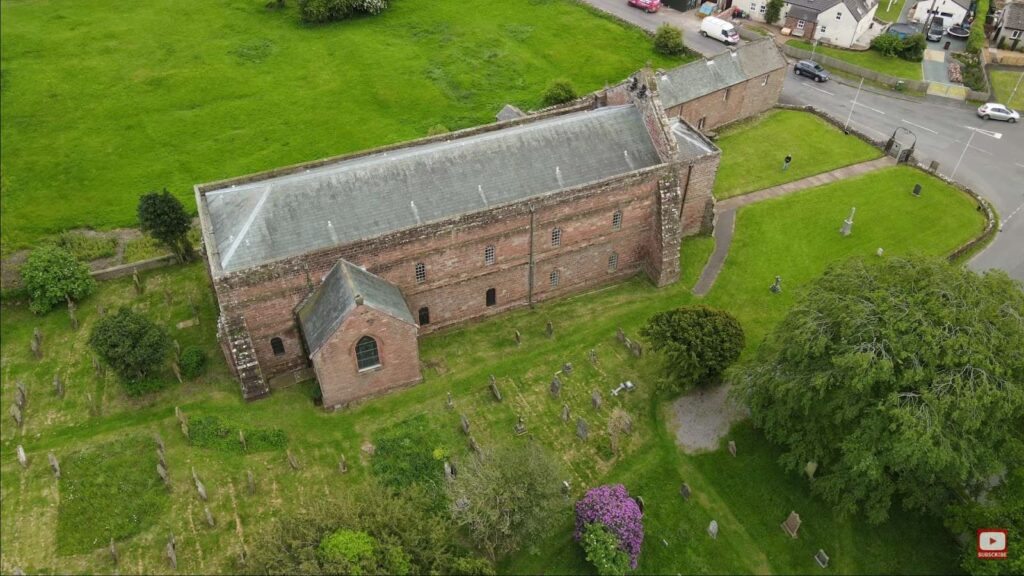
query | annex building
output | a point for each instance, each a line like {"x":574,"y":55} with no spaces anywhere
{"x":333,"y":268}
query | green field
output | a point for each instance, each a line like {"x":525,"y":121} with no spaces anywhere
{"x":753,"y":151}
{"x":795,"y":237}
{"x":887,"y":12}
{"x":103,"y":101}
{"x":870,"y":59}
{"x":1003,"y":82}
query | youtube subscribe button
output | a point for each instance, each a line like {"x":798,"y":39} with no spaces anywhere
{"x":991,"y":543}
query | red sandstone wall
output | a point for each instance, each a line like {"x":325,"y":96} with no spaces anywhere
{"x":335,"y":364}
{"x":745,"y":99}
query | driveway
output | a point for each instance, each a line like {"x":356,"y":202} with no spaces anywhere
{"x":688,"y":22}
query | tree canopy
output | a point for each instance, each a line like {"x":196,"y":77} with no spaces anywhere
{"x":53,"y":276}
{"x":699,"y":343}
{"x":901,"y":378}
{"x":133,"y":345}
{"x":162,"y":216}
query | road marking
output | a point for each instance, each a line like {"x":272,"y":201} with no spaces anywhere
{"x":1019,"y":164}
{"x":919,"y":126}
{"x":819,"y":89}
{"x":1012,"y":214}
{"x":868,"y":107}
{"x":988,"y":133}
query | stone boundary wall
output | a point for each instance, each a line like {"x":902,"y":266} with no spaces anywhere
{"x":130,"y":268}
{"x":918,"y":85}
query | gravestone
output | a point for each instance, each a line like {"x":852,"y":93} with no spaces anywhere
{"x":620,"y":335}
{"x":847,"y":227}
{"x":161,"y":470}
{"x":520,"y":428}
{"x":179,"y":414}
{"x":16,"y":415}
{"x":732,"y":448}
{"x":137,"y":282}
{"x":455,"y":470}
{"x":448,"y":472}
{"x":821,"y":558}
{"x":291,"y":460}
{"x":58,"y":385}
{"x":581,"y":429}
{"x":37,"y":343}
{"x":595,"y":399}
{"x":209,"y":516}
{"x":342,"y":464}
{"x":592,"y":356}
{"x":200,"y":488}
{"x":54,"y":465}
{"x":465,"y":424}
{"x":777,"y":286}
{"x":177,"y":350}
{"x":519,"y":338}
{"x":713,"y":530}
{"x":160,"y":457}
{"x":792,"y":524}
{"x":184,"y":429}
{"x":567,"y":368}
{"x":880,"y":252}
{"x":684,"y":491}
{"x":566,"y":488}
{"x":172,"y":557}
{"x":19,"y":395}
{"x":113,"y":551}
{"x":72,"y":318}
{"x":494,"y":390}
{"x":550,"y":329}
{"x":177,"y":370}
{"x":250,"y":482}
{"x":473,"y":445}
{"x":23,"y":390}
{"x":636,"y":348}
{"x":241,"y":440}
{"x":917,"y":190}
{"x":449,"y":404}
{"x":159,"y":442}
{"x":565,"y":412}
{"x":556,"y":387}
{"x":97,"y":367}
{"x":22,"y":457}
{"x":640,"y":503}
{"x":810,"y":469}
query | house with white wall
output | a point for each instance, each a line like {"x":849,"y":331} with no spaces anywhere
{"x":953,"y":12}
{"x":836,"y":22}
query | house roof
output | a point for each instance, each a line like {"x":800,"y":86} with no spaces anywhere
{"x":1013,"y":16}
{"x":809,"y":9}
{"x":327,"y":307}
{"x":273,"y":217}
{"x":703,"y":77}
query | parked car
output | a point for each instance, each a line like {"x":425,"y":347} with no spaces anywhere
{"x":936,"y":29}
{"x":811,"y":69}
{"x":649,"y":6}
{"x":719,"y":29}
{"x":994,"y":111}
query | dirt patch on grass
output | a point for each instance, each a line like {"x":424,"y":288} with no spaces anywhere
{"x":703,"y":416}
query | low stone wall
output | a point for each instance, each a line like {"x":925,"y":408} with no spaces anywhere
{"x":140,"y":266}
{"x":916,"y":85}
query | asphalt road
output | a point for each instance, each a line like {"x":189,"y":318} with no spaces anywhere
{"x":685,"y":21}
{"x":990,"y":154}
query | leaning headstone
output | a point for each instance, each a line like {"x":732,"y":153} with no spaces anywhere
{"x":821,"y":558}
{"x":250,"y":482}
{"x":37,"y":343}
{"x":19,"y":395}
{"x":520,"y":428}
{"x":241,"y":440}
{"x":595,"y":399}
{"x":640,"y":503}
{"x":494,"y":390}
{"x":448,"y":472}
{"x":567,"y":368}
{"x":519,"y":338}
{"x":684,"y":491}
{"x":58,"y":385}
{"x":620,"y":335}
{"x":810,"y":469}
{"x":581,"y":428}
{"x":847,"y":228}
{"x":777,"y":286}
{"x":556,"y":387}
{"x":713,"y":529}
{"x":172,"y":557}
{"x":200,"y":488}
{"x":566,"y":488}
{"x":732,"y":448}
{"x":137,"y":282}
{"x":449,"y":403}
{"x":465,"y":424}
{"x":592,"y":356}
{"x":113,"y":551}
{"x":342,"y":465}
{"x":565,"y":412}
{"x":22,"y":457}
{"x":16,"y":415}
{"x":159,"y":442}
{"x":54,"y":465}
{"x":792,"y":524}
{"x":473,"y":445}
{"x":292,"y":461}
{"x":177,"y":350}
{"x":636,"y":348}
{"x":209,"y":516}
{"x":549,"y":328}
{"x":161,"y":470}
{"x":23,"y":390}
{"x":72,"y":318}
{"x":184,"y":429}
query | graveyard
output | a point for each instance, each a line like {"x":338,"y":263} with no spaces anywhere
{"x":198,"y":471}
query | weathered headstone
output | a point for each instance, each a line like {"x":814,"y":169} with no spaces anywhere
{"x":449,"y":403}
{"x":58,"y":385}
{"x":16,"y":415}
{"x":200,"y":488}
{"x":847,"y":227}
{"x":23,"y":390}
{"x":72,"y":317}
{"x":620,"y":335}
{"x":810,"y":469}
{"x":556,"y":387}
{"x":292,"y":461}
{"x":792,"y":524}
{"x":97,"y":367}
{"x":241,"y":440}
{"x":519,"y":338}
{"x":19,"y":395}
{"x":250,"y":482}
{"x":209,"y":516}
{"x":342,"y":464}
{"x":113,"y":551}
{"x":177,"y":350}
{"x":549,"y":328}
{"x":184,"y":429}
{"x":581,"y":428}
{"x":640,"y":503}
{"x":777,"y":286}
{"x":636,"y":348}
{"x":37,"y":343}
{"x":520,"y":428}
{"x":566,"y":488}
{"x":161,"y":470}
{"x":54,"y":465}
{"x":494,"y":390}
{"x":917,"y":190}
{"x":713,"y":529}
{"x":821,"y":558}
{"x":595,"y":399}
{"x":137,"y":282}
{"x":172,"y":557}
{"x":448,"y":471}
{"x":473,"y":445}
{"x":684,"y":491}
{"x":159,"y":442}
{"x":160,"y":458}
{"x":179,"y":414}
{"x":565,"y":412}
{"x":455,"y":470}
{"x":592,"y":356}
{"x":567,"y":368}
{"x":177,"y":370}
{"x":22,"y":457}
{"x":465,"y":424}
{"x":732,"y":448}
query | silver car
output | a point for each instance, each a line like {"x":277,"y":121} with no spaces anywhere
{"x":998,"y":112}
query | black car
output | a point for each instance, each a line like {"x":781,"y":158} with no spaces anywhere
{"x":810,"y":69}
{"x":936,"y":28}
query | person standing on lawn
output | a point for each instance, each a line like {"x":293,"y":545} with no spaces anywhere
{"x":785,"y":163}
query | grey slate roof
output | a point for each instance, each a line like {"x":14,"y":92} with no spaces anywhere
{"x":326,"y":308}
{"x":804,"y":13}
{"x":1013,"y":16}
{"x":691,"y":144}
{"x":809,"y":9}
{"x":703,"y":77}
{"x":368,"y":196}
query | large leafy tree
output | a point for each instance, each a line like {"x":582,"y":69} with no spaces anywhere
{"x":133,"y":345}
{"x":508,"y":498}
{"x":162,"y":216}
{"x":53,"y":276}
{"x":901,"y":378}
{"x":772,"y":11}
{"x":698,"y":342}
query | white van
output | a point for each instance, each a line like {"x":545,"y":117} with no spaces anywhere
{"x":719,"y":29}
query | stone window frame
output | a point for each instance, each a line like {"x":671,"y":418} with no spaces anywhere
{"x":727,"y":91}
{"x":423,"y":314}
{"x":700,"y":123}
{"x":613,"y":262}
{"x":420,"y":270}
{"x":366,"y":354}
{"x":617,"y":220}
{"x":554,"y":277}
{"x":764,"y":81}
{"x":491,"y":297}
{"x":1014,"y":34}
{"x":489,"y":255}
{"x":277,"y":346}
{"x":556,"y":237}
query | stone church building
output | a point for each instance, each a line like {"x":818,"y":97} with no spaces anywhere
{"x":333,"y":268}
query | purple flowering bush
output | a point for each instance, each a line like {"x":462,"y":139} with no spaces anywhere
{"x":611,"y":506}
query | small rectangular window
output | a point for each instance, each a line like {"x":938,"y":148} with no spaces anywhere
{"x":839,"y":15}
{"x":1015,"y":34}
{"x":700,"y":123}
{"x":613,"y":262}
{"x":799,"y":25}
{"x":277,"y":346}
{"x":727,"y":90}
{"x":822,"y":30}
{"x":424,"y":316}
{"x":764,"y":81}
{"x":617,"y":220}
{"x":761,"y":9}
{"x":421,"y":273}
{"x":489,"y":255}
{"x":556,"y":237}
{"x":492,"y":297}
{"x":554,"y":278}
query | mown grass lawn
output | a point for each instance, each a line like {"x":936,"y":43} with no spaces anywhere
{"x":870,"y":59}
{"x":1003,"y":82}
{"x":103,"y":101}
{"x":795,"y":237}
{"x":889,"y":11}
{"x":753,"y":151}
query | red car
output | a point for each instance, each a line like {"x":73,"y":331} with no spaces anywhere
{"x":648,"y":6}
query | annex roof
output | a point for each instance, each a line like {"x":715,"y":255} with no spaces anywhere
{"x":1013,"y":16}
{"x":703,"y":77}
{"x":809,"y":9}
{"x":363,"y":197}
{"x":327,"y":307}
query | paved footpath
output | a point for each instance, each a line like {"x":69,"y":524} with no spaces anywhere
{"x":725,"y":212}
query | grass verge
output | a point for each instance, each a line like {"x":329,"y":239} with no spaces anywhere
{"x":869,"y":59}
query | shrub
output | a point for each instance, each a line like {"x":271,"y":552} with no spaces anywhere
{"x":611,"y":506}
{"x":559,"y":92}
{"x":52,"y":275}
{"x":192,"y":362}
{"x":162,"y":216}
{"x":602,"y":548}
{"x":912,"y":48}
{"x":699,"y":343}
{"x":214,"y":433}
{"x":321,"y":11}
{"x":350,"y":548}
{"x":887,"y":44}
{"x":976,"y":38}
{"x":132,"y":345}
{"x":773,"y":11}
{"x":668,"y":40}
